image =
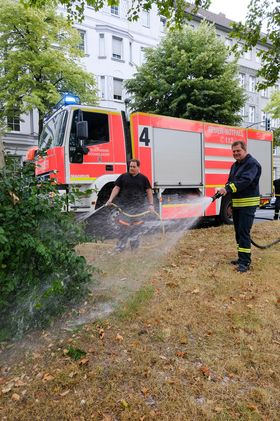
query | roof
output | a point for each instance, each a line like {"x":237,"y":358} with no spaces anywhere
{"x":220,"y":20}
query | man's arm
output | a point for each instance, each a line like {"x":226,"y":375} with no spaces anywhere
{"x":113,"y":195}
{"x":150,"y":197}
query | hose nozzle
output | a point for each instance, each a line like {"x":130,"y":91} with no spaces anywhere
{"x":216,"y":196}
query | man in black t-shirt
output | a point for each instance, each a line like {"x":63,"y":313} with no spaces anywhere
{"x":133,"y":190}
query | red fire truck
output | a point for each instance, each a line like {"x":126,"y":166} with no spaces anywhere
{"x":88,"y":148}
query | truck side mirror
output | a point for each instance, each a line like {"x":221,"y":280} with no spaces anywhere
{"x":31,"y":153}
{"x":82,"y":130}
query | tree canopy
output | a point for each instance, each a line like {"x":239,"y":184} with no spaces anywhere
{"x":189,"y":75}
{"x":39,"y":60}
{"x":263,"y":16}
{"x":273,"y":107}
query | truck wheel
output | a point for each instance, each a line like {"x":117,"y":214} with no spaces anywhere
{"x":226,"y":211}
{"x":103,"y":224}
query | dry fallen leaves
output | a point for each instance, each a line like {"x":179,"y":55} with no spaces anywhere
{"x":72,"y":374}
{"x":15,"y":397}
{"x":172,"y":284}
{"x":145,"y":391}
{"x":101,"y":333}
{"x":119,"y":337}
{"x":65,"y":392}
{"x":107,"y":417}
{"x":47,"y":377}
{"x":181,"y":354}
{"x":205,"y":371}
{"x":84,"y":361}
{"x":8,"y":387}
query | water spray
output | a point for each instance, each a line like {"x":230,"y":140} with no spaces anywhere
{"x":138,"y":215}
{"x":216,"y":196}
{"x":89,"y":214}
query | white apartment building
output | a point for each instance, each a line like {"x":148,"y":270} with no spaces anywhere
{"x":114,"y":47}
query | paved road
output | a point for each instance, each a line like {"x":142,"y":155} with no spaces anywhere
{"x":264,"y":215}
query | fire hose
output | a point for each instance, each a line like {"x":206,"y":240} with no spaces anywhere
{"x":137,"y":215}
{"x":266,"y":246}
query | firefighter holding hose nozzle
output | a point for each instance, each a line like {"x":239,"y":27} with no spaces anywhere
{"x":133,"y":190}
{"x":243,"y":186}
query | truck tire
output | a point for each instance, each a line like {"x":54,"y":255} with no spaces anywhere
{"x":226,"y":211}
{"x":103,"y":224}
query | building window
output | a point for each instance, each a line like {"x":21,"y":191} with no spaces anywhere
{"x":146,"y":19}
{"x":242,"y":79}
{"x":264,"y":92}
{"x":82,"y":44}
{"x":242,"y":112}
{"x":117,"y":48}
{"x":117,"y":86}
{"x":252,"y":84}
{"x":263,"y":117}
{"x":251,"y":114}
{"x":142,"y":55}
{"x":102,"y":87}
{"x":13,"y":123}
{"x":162,"y":24}
{"x":115,"y":10}
{"x":102,"y":45}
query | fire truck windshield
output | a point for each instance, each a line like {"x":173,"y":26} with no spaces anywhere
{"x":53,"y":131}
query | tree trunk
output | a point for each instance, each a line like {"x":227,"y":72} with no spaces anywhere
{"x":2,"y":160}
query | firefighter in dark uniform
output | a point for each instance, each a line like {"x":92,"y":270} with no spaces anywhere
{"x":133,"y":190}
{"x":243,"y":186}
{"x":276,"y":184}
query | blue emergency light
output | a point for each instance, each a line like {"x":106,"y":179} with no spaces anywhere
{"x":69,"y":99}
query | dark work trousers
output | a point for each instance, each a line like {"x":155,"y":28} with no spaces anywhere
{"x":277,"y":207}
{"x":130,"y":229}
{"x":243,"y":219}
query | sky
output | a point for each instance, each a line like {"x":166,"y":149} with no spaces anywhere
{"x":233,"y":9}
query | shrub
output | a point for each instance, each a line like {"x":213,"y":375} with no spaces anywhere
{"x":39,"y":269}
